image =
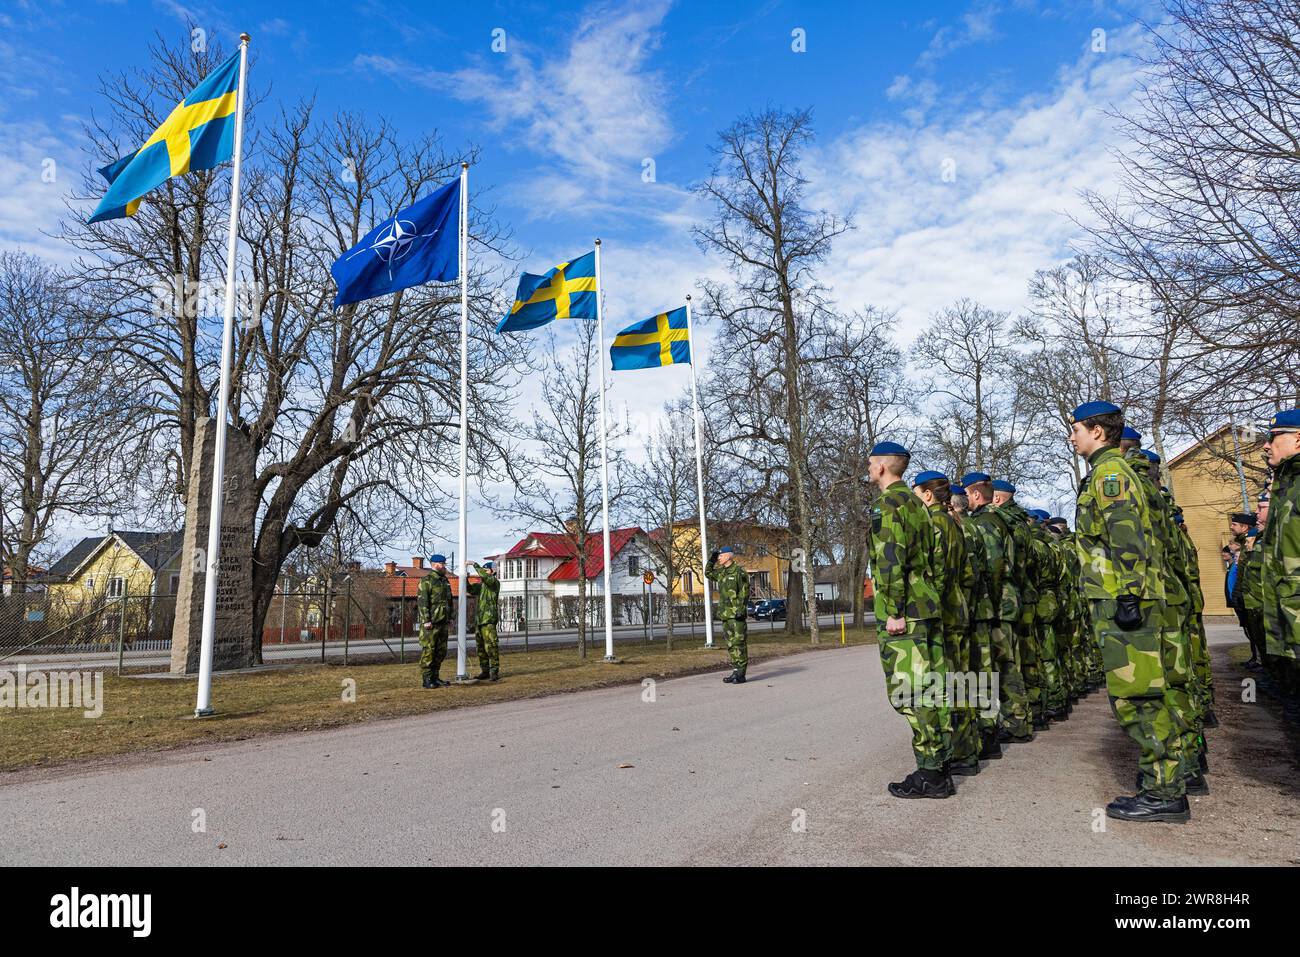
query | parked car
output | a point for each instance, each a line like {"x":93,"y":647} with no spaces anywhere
{"x":772,"y":609}
{"x":750,"y":607}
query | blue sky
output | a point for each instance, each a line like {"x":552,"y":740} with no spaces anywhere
{"x":957,"y":134}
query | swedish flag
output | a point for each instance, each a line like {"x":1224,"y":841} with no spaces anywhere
{"x":661,"y":340}
{"x":566,"y":292}
{"x":199,"y":134}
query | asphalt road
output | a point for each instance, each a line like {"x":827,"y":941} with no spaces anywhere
{"x":310,"y":650}
{"x":715,"y":775}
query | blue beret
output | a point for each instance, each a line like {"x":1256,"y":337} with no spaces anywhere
{"x":1002,"y":485}
{"x":889,"y":448}
{"x":489,"y":564}
{"x":1252,"y":533}
{"x":726,"y":549}
{"x":929,"y":476}
{"x":1178,"y":518}
{"x":1041,"y":514}
{"x":1151,"y":456}
{"x":1131,"y":433}
{"x":1288,"y":419}
{"x":957,"y":489}
{"x":437,"y":558}
{"x":974,"y":478}
{"x":1089,"y":409}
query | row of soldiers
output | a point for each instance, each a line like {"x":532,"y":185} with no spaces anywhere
{"x":975,"y":589}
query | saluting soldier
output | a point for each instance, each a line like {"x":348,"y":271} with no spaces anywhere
{"x":907,"y":604}
{"x":1125,"y":590}
{"x":732,"y":584}
{"x":488,"y":590}
{"x":433,"y":609}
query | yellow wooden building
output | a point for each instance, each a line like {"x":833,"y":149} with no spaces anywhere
{"x":1208,"y":487}
{"x":758,"y":549}
{"x":100,"y":571}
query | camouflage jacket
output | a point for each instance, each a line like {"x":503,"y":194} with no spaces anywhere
{"x":488,"y":592}
{"x":978,"y":600}
{"x":1025,"y":570}
{"x":433,"y":600}
{"x":1281,"y":550}
{"x":1113,"y":532}
{"x":950,"y":555}
{"x":1072,"y":602}
{"x":732,"y":584}
{"x":1164,"y":549}
{"x":1251,"y":576}
{"x":999,"y":554}
{"x":903,"y":548}
{"x":1195,"y":594}
{"x":1050,"y":574}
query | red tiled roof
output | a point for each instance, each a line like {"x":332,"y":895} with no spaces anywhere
{"x":618,"y":539}
{"x":548,"y":545}
{"x":391,"y":586}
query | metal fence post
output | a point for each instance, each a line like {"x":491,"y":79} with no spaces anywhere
{"x":347,"y":620}
{"x":121,"y":630}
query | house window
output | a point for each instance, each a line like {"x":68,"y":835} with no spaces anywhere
{"x":174,"y":585}
{"x":116,"y":587}
{"x":530,"y":568}
{"x":633,"y":566}
{"x":90,"y":584}
{"x":688,"y":582}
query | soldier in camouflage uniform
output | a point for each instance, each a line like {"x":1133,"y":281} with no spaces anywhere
{"x":486,"y":618}
{"x":433,"y":611}
{"x":1051,"y":579}
{"x":731,"y":582}
{"x":1025,"y":577}
{"x":1070,"y":635}
{"x":1180,"y":691}
{"x":1115,"y":530}
{"x":1200,"y":642}
{"x":907,"y":604}
{"x":1281,"y":551}
{"x":1000,"y":551}
{"x":983,"y":614}
{"x":960,"y":726}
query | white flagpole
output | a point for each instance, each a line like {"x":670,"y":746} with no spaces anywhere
{"x":216,"y":499}
{"x":699,"y":483}
{"x":604,"y":469}
{"x":462,"y":601}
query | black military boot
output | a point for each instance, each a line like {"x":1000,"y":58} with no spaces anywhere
{"x":740,"y":677}
{"x":1148,"y":807}
{"x":923,"y":783}
{"x":495,"y":674}
{"x":731,"y":678}
{"x":1196,"y":784}
{"x":1204,"y":762}
{"x":964,"y":769}
{"x":990,"y":750}
{"x":1211,"y":719}
{"x":484,"y":674}
{"x":428,"y":682}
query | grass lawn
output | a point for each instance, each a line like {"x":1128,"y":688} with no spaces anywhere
{"x":149,"y":714}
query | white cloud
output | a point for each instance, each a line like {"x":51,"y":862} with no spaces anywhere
{"x":1016,"y":173}
{"x":37,"y":173}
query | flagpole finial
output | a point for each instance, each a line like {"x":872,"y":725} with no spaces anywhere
{"x":464,"y":164}
{"x":688,"y":297}
{"x":597,"y":242}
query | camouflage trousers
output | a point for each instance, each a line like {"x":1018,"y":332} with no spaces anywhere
{"x":489,"y":649}
{"x":1050,"y":666}
{"x":1014,"y":715}
{"x":1181,"y":691}
{"x":1201,"y":662}
{"x":981,"y":660}
{"x":433,"y":649}
{"x":909,"y":662}
{"x":1031,"y":666}
{"x":1135,"y":680}
{"x":957,"y":713}
{"x":737,"y":642}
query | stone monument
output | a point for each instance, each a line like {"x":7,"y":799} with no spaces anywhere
{"x":234,"y":645}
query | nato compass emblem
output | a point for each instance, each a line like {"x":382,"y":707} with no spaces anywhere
{"x":394,"y":243}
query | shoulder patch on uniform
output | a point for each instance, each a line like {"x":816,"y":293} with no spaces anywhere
{"x":1111,"y":485}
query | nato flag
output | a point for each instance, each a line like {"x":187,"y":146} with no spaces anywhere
{"x":418,"y":245}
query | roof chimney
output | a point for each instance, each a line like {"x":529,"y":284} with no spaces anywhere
{"x":417,"y":561}
{"x":390,"y":568}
